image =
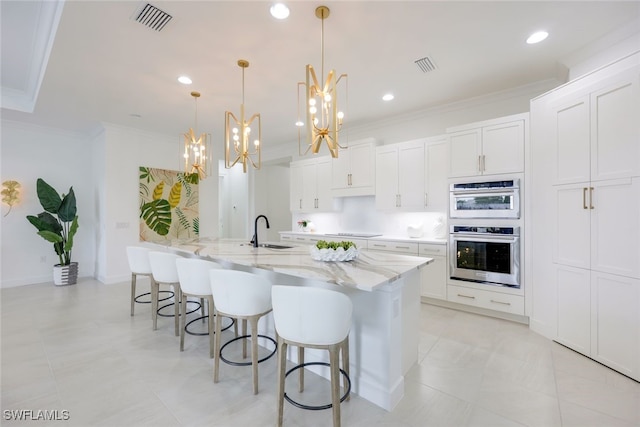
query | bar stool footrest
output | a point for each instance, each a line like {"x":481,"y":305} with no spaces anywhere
{"x":173,"y":315}
{"x":139,"y":301}
{"x":318,"y":407}
{"x":205,"y":333}
{"x":232,"y":363}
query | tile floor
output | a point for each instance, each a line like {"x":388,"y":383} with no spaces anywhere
{"x":77,"y":349}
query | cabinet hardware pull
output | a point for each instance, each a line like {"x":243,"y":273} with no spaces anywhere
{"x":500,"y":302}
{"x":299,"y":238}
{"x":466,"y":296}
{"x":590,"y":197}
{"x":380,"y":246}
{"x":479,"y":163}
{"x":403,"y":247}
{"x":425,"y":199}
{"x":584,"y":198}
{"x":484,"y":163}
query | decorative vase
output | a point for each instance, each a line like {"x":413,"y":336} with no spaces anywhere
{"x":65,"y":274}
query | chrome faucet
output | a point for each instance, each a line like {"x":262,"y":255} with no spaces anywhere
{"x":255,"y":230}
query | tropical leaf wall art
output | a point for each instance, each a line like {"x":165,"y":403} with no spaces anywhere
{"x":169,"y":205}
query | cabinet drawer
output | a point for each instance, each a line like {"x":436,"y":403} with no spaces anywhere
{"x":486,"y":299}
{"x":408,"y":248}
{"x":431,"y":250}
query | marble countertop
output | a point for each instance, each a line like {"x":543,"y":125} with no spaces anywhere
{"x":369,"y":271}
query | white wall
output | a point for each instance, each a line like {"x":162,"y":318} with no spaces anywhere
{"x":126,"y":150}
{"x":271,"y":198}
{"x":63,"y":160}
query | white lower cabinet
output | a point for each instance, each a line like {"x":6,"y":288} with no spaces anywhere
{"x":507,"y":303}
{"x":434,"y":276}
{"x":407,"y":248}
{"x":599,"y":316}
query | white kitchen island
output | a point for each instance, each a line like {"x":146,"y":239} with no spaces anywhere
{"x":384,"y":289}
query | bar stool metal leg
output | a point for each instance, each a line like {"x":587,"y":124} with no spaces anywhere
{"x":133,"y":291}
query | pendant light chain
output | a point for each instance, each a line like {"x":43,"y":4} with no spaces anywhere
{"x":322,"y":49}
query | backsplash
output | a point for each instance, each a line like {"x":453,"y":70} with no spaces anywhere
{"x":359,"y":215}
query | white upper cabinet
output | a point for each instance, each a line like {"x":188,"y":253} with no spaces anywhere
{"x":400,"y":176}
{"x":311,"y":185}
{"x":597,"y":135}
{"x":353,"y":171}
{"x":412,"y":176}
{"x":436,"y":188}
{"x":296,"y":187}
{"x":487,"y":148}
{"x":615,"y":133}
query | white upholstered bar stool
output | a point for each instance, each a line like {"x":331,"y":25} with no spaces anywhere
{"x":138,"y":258}
{"x":242,"y":296}
{"x":301,"y":319}
{"x":195,"y":282}
{"x":165,"y":272}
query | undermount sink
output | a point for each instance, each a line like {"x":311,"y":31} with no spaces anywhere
{"x":268,"y":245}
{"x":272,"y":246}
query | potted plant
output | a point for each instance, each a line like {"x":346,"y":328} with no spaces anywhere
{"x":58,"y":224}
{"x":305,"y":225}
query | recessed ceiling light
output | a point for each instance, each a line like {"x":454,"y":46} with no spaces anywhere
{"x":537,"y":37}
{"x":387,"y":97}
{"x":279,"y":11}
{"x":184,"y":80}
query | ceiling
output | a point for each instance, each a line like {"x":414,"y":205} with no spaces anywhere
{"x":75,"y":64}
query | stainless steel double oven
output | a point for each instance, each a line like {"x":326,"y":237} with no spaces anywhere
{"x":484,"y":238}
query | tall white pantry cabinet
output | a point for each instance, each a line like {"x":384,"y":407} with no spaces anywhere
{"x":585,"y":215}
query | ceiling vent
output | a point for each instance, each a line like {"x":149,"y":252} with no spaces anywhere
{"x":425,"y":64}
{"x":152,"y":17}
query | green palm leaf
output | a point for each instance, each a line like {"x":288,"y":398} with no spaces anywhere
{"x":157,"y":216}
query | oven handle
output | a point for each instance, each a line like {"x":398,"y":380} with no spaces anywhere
{"x":484,"y":190}
{"x":477,"y":238}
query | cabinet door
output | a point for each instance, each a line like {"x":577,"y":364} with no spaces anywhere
{"x":436,"y":196}
{"x":309,"y":191}
{"x":569,"y":120}
{"x":387,"y":177}
{"x":434,"y":279}
{"x":464,"y":153}
{"x":615,"y":226}
{"x":340,"y":170}
{"x":615,"y":128}
{"x":571,"y":233}
{"x":323,"y":185}
{"x":574,"y":308}
{"x":296,"y":185}
{"x":615,"y":322}
{"x":503,"y":148}
{"x":411,"y":175}
{"x":362,"y":159}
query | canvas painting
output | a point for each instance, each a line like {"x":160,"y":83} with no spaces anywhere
{"x":168,"y":205}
